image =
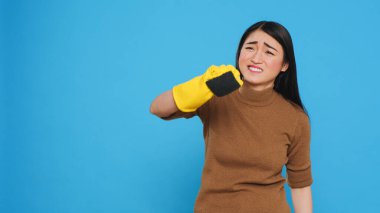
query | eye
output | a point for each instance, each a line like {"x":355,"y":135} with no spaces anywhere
{"x":269,"y":52}
{"x":249,"y":48}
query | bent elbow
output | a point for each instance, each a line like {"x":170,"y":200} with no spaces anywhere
{"x":152,"y":109}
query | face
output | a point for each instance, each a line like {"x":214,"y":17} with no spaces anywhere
{"x":261,"y":60}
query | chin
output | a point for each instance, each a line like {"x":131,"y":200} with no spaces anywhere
{"x":251,"y":80}
{"x":256,"y":82}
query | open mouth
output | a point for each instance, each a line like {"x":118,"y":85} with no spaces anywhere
{"x":254,"y":69}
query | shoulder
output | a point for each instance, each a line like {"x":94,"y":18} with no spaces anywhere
{"x":301,"y":128}
{"x":292,"y":111}
{"x":289,"y":106}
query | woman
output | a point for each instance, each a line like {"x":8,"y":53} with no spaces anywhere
{"x":254,"y":124}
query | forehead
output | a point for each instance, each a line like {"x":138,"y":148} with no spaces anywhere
{"x":261,"y":37}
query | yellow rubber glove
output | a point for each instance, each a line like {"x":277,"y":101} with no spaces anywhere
{"x":217,"y":80}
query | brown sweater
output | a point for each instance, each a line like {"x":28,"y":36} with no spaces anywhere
{"x":249,"y":136}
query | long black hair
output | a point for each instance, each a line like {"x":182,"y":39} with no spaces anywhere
{"x":285,"y":82}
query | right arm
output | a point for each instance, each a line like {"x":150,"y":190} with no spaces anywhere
{"x":190,"y":95}
{"x":164,"y":105}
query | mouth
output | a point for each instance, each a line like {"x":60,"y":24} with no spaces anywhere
{"x":255,"y":69}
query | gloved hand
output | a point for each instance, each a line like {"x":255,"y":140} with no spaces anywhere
{"x":217,"y":80}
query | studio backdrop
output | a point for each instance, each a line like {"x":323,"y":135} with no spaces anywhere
{"x":77,"y":79}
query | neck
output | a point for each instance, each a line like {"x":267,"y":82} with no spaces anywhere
{"x":256,"y":95}
{"x":256,"y":87}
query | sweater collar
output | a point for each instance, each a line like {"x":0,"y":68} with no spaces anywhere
{"x":256,"y":98}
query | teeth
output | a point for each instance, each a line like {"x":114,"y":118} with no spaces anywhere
{"x":255,"y":69}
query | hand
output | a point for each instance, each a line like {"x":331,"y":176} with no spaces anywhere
{"x":222,"y":80}
{"x":217,"y":80}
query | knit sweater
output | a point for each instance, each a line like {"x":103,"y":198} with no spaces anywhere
{"x":249,"y":136}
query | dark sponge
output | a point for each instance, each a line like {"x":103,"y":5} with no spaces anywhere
{"x":223,"y":85}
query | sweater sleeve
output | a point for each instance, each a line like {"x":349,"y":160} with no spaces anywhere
{"x":202,"y":112}
{"x":179,"y":114}
{"x":298,"y":167}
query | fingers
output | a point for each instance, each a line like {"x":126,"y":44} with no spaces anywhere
{"x":223,"y":79}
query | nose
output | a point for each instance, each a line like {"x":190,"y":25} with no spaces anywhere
{"x":256,"y":57}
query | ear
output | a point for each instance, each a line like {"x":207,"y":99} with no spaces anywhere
{"x":285,"y":67}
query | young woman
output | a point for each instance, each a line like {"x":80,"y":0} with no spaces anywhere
{"x":254,"y":124}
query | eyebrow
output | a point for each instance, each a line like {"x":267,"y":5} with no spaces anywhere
{"x":255,"y":42}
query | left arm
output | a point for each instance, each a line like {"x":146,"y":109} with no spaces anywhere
{"x":298,"y":167}
{"x":302,"y":199}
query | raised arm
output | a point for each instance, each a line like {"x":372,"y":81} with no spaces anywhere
{"x":164,"y":105}
{"x":190,"y":95}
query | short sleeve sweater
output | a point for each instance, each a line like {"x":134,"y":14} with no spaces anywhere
{"x":249,"y":136}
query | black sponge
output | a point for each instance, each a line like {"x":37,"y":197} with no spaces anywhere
{"x":223,"y":84}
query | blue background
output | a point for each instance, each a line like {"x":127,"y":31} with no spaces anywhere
{"x":77,"y":79}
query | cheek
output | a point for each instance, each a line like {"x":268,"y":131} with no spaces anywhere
{"x":243,"y":54}
{"x":243,"y":58}
{"x":274,"y":64}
